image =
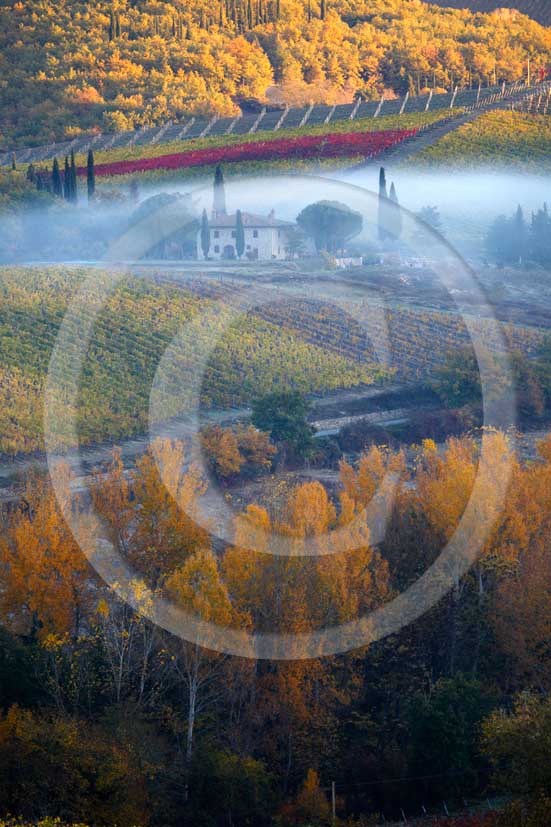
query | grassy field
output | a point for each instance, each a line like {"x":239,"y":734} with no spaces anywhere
{"x":251,"y":357}
{"x":514,"y":141}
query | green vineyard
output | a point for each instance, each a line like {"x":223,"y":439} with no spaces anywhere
{"x":516,"y":141}
{"x":292,"y":343}
{"x":410,"y":341}
{"x":132,"y":332}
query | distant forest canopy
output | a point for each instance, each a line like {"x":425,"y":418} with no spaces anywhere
{"x":70,"y":66}
{"x":539,"y":10}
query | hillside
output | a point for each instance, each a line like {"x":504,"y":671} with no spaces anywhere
{"x":515,"y":141}
{"x":73,"y":66}
{"x":254,"y":356}
{"x":539,"y":10}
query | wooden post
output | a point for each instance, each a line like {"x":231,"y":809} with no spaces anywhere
{"x":380,"y":106}
{"x":333,"y":802}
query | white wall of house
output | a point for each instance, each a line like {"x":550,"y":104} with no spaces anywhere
{"x":261,"y":243}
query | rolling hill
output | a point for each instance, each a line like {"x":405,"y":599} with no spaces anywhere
{"x":72,"y":67}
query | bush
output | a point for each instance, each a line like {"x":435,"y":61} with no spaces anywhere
{"x":526,"y":814}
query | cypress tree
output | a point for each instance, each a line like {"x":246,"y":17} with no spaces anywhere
{"x":394,"y":213}
{"x":90,"y":175}
{"x":249,"y":14}
{"x":323,"y":9}
{"x":57,"y":185}
{"x":67,"y":180}
{"x":31,"y":173}
{"x":309,"y":11}
{"x":278,"y":9}
{"x":383,"y":205}
{"x":111,"y":26}
{"x":74,"y":191}
{"x":13,"y":162}
{"x":239,"y":234}
{"x":219,"y":188}
{"x":519,"y":236}
{"x":117,"y":25}
{"x":205,"y":235}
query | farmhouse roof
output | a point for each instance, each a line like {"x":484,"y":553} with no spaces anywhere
{"x":220,"y":221}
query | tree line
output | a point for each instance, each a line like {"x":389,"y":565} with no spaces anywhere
{"x":63,"y":184}
{"x":514,"y":240}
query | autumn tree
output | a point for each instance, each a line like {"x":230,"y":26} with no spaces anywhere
{"x":152,"y":516}
{"x":47,"y":583}
{"x":310,"y":805}
{"x":232,"y":450}
{"x":50,"y":762}
{"x":517,"y":743}
{"x":198,"y":589}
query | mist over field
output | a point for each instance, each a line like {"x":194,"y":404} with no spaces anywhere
{"x":468,"y":203}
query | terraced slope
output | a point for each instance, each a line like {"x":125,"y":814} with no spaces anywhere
{"x":397,"y":113}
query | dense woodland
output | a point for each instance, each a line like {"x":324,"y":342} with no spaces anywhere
{"x":71,"y":66}
{"x":106,"y":719}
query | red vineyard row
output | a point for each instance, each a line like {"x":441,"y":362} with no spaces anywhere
{"x":335,"y":145}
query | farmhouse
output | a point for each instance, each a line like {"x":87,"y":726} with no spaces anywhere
{"x":265,"y":237}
